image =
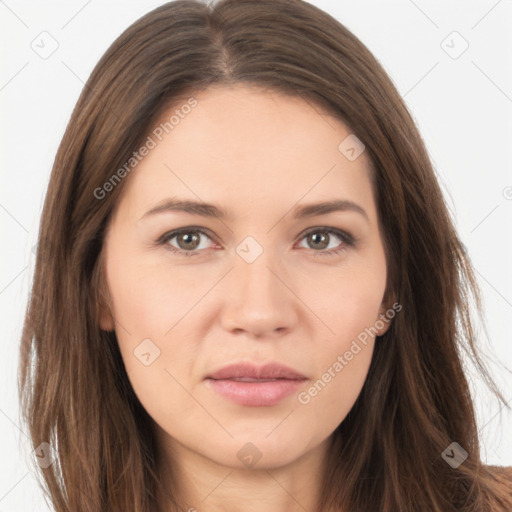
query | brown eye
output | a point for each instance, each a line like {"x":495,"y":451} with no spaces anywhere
{"x":320,"y":239}
{"x":188,"y":241}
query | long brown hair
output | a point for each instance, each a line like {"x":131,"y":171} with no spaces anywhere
{"x":75,"y":394}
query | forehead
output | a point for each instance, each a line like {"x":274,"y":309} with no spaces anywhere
{"x":246,"y":148}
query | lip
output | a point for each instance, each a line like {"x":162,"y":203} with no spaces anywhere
{"x":252,"y":385}
{"x":253,"y":371}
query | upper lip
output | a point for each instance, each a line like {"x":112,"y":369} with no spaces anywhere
{"x":253,"y":371}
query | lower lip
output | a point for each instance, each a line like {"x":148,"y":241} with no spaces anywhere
{"x":256,"y":394}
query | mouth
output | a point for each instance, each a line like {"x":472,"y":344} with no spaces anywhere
{"x":255,"y":392}
{"x":250,"y":379}
{"x":257,"y":386}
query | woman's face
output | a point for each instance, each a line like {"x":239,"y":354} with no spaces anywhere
{"x":274,"y":280}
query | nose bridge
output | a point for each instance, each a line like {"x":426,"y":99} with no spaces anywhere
{"x":255,"y":269}
{"x":257,"y":299}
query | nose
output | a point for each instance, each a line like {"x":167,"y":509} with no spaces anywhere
{"x":259,"y":300}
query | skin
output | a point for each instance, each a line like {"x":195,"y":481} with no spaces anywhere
{"x":258,"y":155}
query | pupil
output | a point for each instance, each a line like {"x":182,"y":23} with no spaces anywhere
{"x":190,"y":239}
{"x":323,"y":237}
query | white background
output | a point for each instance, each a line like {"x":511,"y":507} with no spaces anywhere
{"x":463,"y":108}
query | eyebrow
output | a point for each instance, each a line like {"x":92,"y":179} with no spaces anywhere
{"x":216,"y":212}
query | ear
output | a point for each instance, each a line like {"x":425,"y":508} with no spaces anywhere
{"x":105,"y":316}
{"x":388,"y":310}
{"x":104,"y":311}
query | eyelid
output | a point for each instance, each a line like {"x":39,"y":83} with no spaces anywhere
{"x":348,"y":239}
{"x":343,"y":234}
{"x":169,"y":235}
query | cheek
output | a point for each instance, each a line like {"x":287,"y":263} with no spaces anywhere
{"x":149,"y":315}
{"x":156,"y":327}
{"x":349,"y":305}
{"x":148,"y":299}
{"x":342,"y":367}
{"x":348,"y":300}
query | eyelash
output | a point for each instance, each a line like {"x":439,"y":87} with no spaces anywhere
{"x":347,"y":239}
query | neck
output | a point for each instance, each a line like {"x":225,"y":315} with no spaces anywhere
{"x":200,"y":484}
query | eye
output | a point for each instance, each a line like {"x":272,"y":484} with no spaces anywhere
{"x":188,"y":240}
{"x":321,"y":238}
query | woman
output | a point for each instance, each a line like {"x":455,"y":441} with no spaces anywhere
{"x":194,"y":348}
